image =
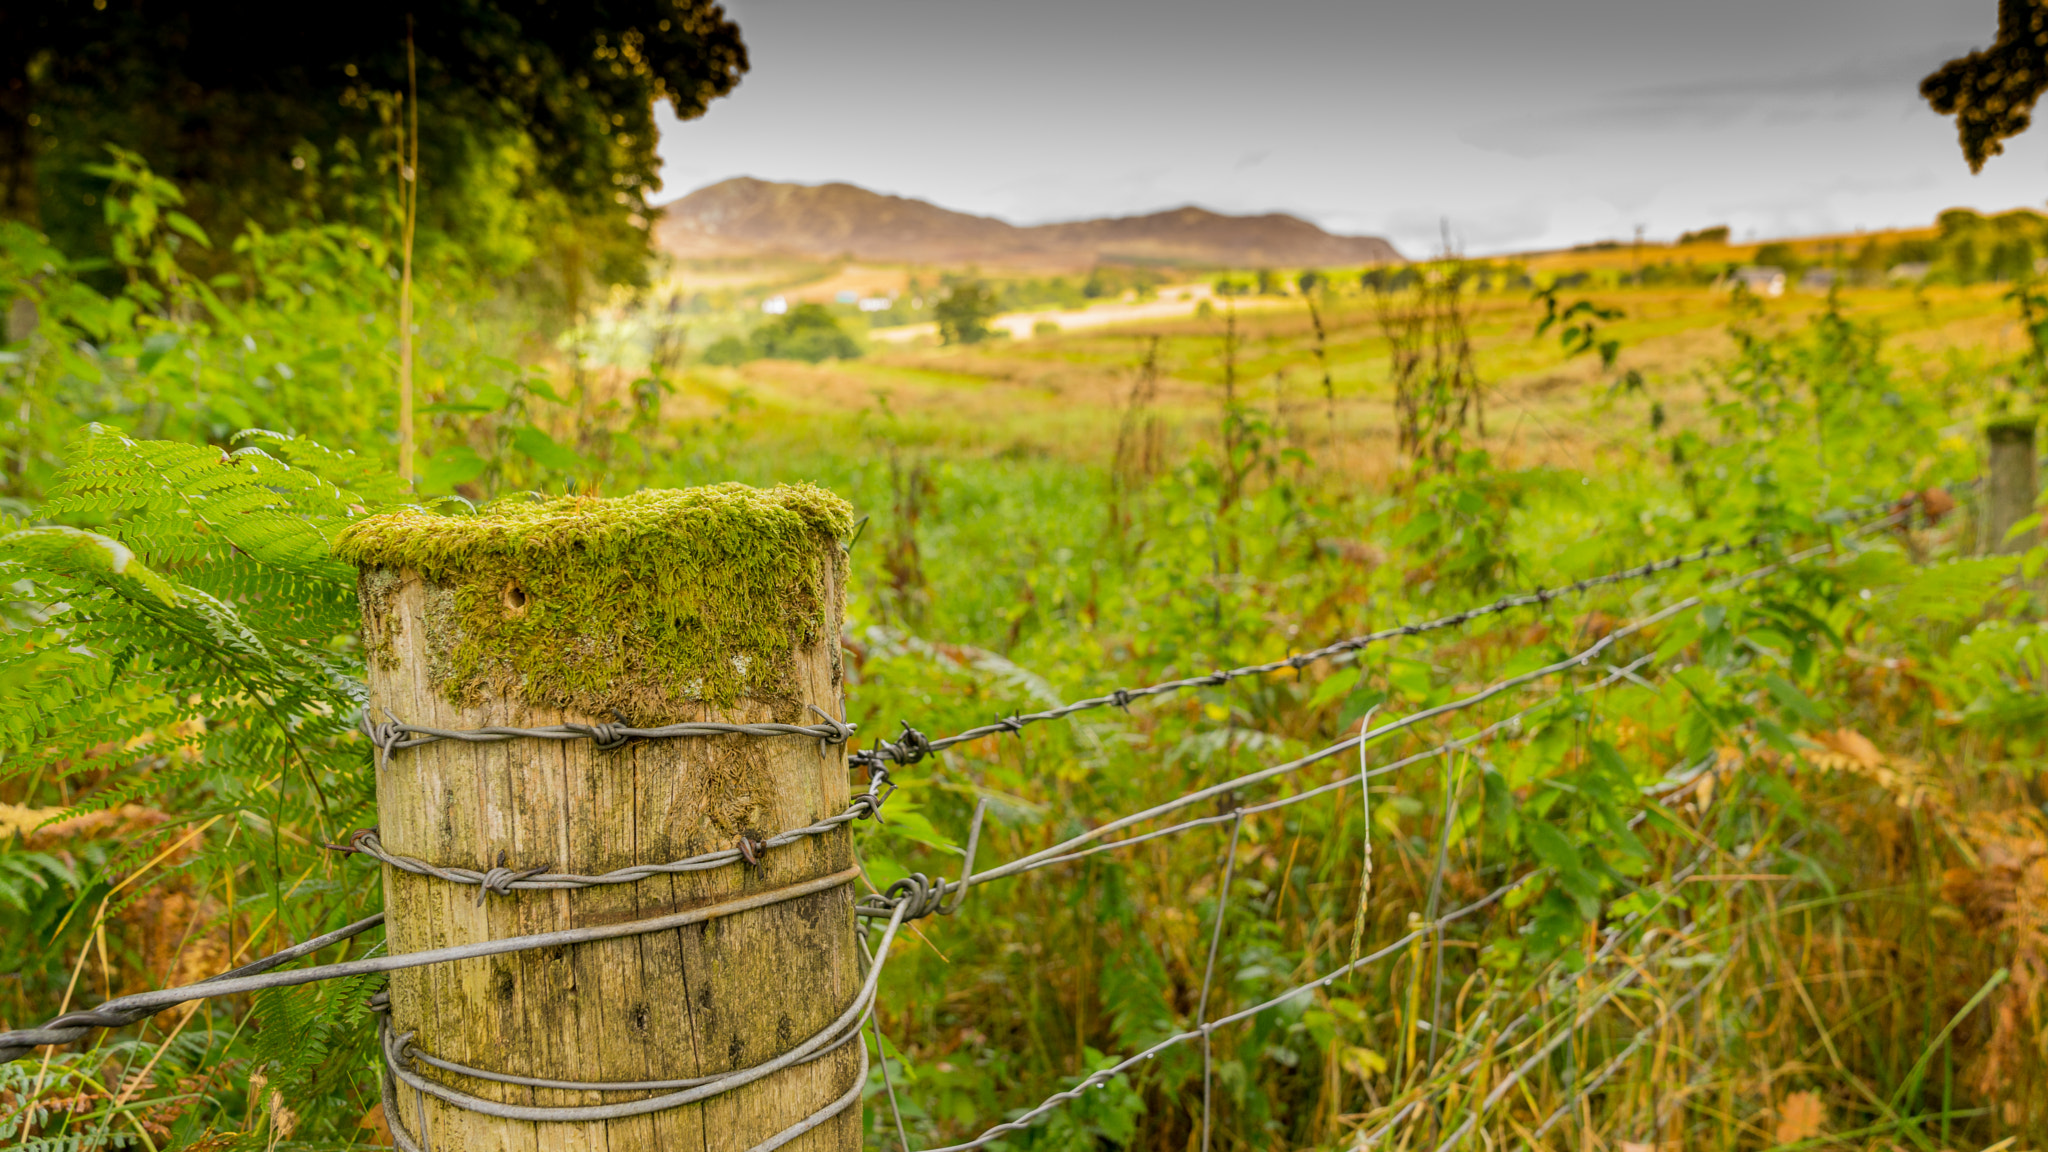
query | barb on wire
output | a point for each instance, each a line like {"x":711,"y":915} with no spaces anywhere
{"x":923,"y":895}
{"x":393,"y":736}
{"x":504,"y":881}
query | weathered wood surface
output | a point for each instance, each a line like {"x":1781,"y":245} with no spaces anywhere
{"x":695,"y":1001}
{"x":2012,"y":484}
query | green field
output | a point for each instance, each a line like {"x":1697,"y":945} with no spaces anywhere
{"x":1775,"y":861}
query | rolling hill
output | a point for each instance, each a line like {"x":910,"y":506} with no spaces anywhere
{"x":748,"y":217}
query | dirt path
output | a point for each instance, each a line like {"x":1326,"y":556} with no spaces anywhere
{"x":1174,"y":303}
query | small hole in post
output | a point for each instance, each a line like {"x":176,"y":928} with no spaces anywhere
{"x":515,"y":600}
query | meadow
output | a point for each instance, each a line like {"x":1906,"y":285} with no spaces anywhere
{"x":1769,"y":872}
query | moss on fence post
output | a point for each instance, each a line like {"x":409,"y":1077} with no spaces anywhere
{"x":638,"y":604}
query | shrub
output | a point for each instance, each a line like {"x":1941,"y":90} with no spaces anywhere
{"x":808,"y":332}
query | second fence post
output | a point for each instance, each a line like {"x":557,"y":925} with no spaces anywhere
{"x":712,"y":604}
{"x":2011,"y":484}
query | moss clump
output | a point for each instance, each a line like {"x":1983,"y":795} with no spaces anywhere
{"x":638,"y":604}
{"x":2012,"y":427}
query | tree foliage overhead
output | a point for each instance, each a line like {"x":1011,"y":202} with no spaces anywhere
{"x":1991,"y":92}
{"x":256,"y":111}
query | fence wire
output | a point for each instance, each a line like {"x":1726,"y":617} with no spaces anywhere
{"x":918,"y":896}
{"x":914,"y":745}
{"x":1073,"y":849}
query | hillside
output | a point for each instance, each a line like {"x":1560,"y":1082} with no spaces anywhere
{"x":744,"y":216}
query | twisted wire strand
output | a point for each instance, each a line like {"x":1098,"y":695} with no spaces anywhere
{"x":842,"y":1029}
{"x":72,"y":1027}
{"x":504,"y":881}
{"x":913,"y":745}
{"x":394,"y":736}
{"x":398,"y":1051}
{"x":125,"y":1010}
{"x":1065,"y":850}
{"x":1577,"y":660}
{"x":1443,"y":749}
{"x":905,"y":900}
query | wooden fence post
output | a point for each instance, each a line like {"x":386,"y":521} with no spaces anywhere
{"x":2010,"y":485}
{"x":711,"y":604}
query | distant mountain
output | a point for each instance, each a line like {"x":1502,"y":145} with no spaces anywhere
{"x":744,"y":216}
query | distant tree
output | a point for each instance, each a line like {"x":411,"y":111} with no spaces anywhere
{"x":2011,"y":259}
{"x":535,"y":116}
{"x":1962,"y":260}
{"x":1309,"y":281}
{"x":1718,"y":234}
{"x":727,"y":351}
{"x":963,"y":314}
{"x":1991,"y":92}
{"x":1780,"y":255}
{"x":806,"y":332}
{"x":1915,"y":250}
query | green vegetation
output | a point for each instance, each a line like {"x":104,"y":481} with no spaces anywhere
{"x":532,"y":126}
{"x":807,"y":332}
{"x":1806,"y":811}
{"x":677,"y":570}
{"x":964,"y":311}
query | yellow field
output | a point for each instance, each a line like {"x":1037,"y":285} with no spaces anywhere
{"x":1062,"y":395}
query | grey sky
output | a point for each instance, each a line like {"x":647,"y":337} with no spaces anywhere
{"x":1524,"y":123}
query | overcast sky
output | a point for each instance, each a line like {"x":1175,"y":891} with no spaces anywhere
{"x":1523,"y":123}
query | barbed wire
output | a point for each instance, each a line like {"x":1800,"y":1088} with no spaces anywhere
{"x":1066,"y":850}
{"x":913,"y":745}
{"x":1204,"y":1028}
{"x":504,"y":880}
{"x":394,"y":736}
{"x":256,"y":977}
{"x":905,"y":900}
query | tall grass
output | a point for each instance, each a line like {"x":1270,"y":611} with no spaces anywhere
{"x":1778,"y":873}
